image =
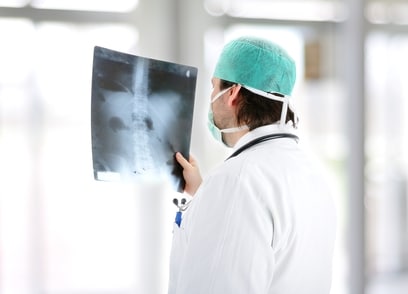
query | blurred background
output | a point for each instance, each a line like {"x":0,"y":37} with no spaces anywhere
{"x":61,"y":232}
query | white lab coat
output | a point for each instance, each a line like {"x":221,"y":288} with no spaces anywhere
{"x":261,"y":223}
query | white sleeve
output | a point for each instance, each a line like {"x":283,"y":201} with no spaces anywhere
{"x":229,"y":241}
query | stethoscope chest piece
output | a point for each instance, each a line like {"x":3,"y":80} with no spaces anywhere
{"x":182,"y":206}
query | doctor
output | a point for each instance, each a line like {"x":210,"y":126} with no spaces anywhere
{"x":263,"y":221}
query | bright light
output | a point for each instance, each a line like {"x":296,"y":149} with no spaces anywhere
{"x":90,"y":5}
{"x":387,"y":13}
{"x":15,"y":57}
{"x":313,"y":10}
{"x":13,"y":3}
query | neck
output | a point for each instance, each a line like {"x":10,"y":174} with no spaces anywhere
{"x":232,"y":138}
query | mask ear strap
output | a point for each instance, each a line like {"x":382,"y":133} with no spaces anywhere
{"x":235,"y":129}
{"x":295,"y":116}
{"x":284,"y":111}
{"x":219,"y":94}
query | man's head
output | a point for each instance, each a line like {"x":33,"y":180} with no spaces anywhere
{"x":265,"y":74}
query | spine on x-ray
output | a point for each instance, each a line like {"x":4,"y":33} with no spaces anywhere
{"x":140,"y":116}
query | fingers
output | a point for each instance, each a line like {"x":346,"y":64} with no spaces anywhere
{"x":191,"y":173}
{"x":183,"y":162}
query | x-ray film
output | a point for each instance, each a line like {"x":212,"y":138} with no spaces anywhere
{"x":141,"y":115}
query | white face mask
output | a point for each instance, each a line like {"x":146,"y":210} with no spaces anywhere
{"x":214,"y":130}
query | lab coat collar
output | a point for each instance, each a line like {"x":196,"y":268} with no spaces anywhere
{"x":262,"y":131}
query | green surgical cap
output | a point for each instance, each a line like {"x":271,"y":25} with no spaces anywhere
{"x":257,"y":63}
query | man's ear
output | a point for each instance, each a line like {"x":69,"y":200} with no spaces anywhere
{"x":233,"y":95}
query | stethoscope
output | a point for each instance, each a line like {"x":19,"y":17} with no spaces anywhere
{"x":262,"y":139}
{"x":183,"y":205}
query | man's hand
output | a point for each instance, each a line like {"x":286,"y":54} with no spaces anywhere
{"x":191,"y":173}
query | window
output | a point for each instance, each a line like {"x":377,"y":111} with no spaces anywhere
{"x":61,"y":231}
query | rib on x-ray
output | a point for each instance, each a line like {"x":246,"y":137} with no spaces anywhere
{"x":141,"y":114}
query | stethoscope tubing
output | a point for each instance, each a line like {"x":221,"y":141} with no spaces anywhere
{"x":260,"y":140}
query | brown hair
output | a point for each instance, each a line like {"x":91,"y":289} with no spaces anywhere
{"x":254,"y":110}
